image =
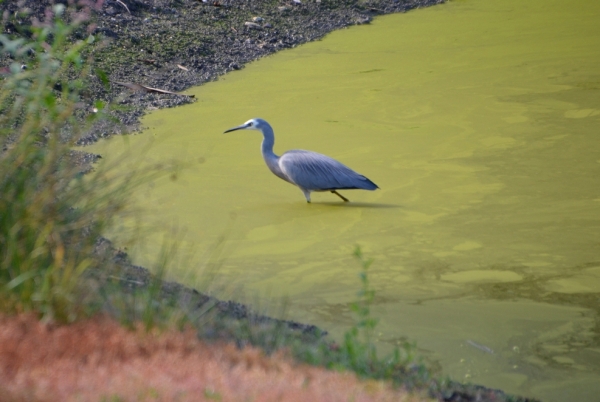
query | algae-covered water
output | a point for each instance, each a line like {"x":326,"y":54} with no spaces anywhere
{"x":479,"y":121}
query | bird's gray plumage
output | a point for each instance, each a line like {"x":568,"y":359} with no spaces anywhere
{"x":318,"y":172}
{"x":308,"y":170}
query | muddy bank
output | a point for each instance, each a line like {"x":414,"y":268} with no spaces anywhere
{"x":175,"y":44}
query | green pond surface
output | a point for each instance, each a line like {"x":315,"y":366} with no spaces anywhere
{"x":479,"y":120}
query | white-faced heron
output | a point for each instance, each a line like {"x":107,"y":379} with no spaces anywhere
{"x":310,"y":171}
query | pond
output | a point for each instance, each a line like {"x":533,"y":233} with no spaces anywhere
{"x":479,"y":121}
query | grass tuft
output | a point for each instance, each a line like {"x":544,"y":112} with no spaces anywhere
{"x":52,"y":214}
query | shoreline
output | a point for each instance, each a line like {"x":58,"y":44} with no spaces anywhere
{"x":176,"y":45}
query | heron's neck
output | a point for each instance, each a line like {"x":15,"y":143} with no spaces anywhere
{"x":267,"y":146}
{"x":271,"y":159}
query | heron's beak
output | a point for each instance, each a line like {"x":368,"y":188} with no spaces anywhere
{"x":243,"y":126}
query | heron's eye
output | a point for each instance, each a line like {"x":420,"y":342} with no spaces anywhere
{"x":251,"y":124}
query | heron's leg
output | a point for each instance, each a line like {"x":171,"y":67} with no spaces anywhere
{"x":341,"y":196}
{"x":306,"y":195}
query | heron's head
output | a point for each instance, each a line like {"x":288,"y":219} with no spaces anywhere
{"x":252,"y":124}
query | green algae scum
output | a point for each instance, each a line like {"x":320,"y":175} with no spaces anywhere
{"x":479,"y":121}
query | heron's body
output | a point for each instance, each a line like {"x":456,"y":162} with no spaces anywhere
{"x":308,"y":170}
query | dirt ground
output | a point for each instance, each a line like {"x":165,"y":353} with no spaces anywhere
{"x":175,"y":44}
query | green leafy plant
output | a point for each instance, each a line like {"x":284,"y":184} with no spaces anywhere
{"x":364,"y":349}
{"x":40,"y":255}
{"x":51,"y":214}
{"x":357,"y":351}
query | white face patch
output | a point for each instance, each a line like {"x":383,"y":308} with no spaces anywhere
{"x":251,"y":125}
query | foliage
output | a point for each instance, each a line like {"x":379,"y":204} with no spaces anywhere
{"x":51,"y":214}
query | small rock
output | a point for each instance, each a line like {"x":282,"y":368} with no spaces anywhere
{"x":267,"y":25}
{"x":362,"y":20}
{"x":257,"y":19}
{"x":283,"y":8}
{"x":252,"y":25}
{"x":296,"y":1}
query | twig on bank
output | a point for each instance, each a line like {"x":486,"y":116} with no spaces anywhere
{"x":139,"y":87}
{"x":126,"y":280}
{"x":124,"y":5}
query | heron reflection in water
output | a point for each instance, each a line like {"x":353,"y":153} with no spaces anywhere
{"x":308,"y":170}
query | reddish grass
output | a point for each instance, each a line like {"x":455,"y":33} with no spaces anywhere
{"x":98,"y":360}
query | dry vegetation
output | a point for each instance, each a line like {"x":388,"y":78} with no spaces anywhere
{"x":98,"y":360}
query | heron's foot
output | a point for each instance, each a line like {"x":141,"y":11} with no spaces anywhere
{"x":341,"y":196}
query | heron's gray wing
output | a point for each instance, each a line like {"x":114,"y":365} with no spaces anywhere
{"x":314,"y":171}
